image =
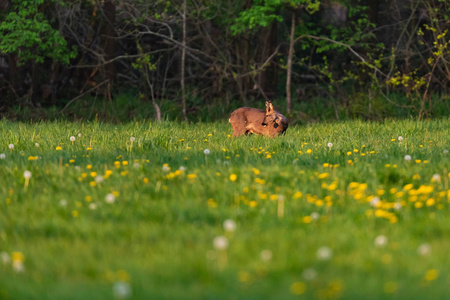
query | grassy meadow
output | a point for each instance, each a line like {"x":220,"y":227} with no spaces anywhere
{"x":351,"y":210}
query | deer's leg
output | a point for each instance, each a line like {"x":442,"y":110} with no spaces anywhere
{"x":239,"y":124}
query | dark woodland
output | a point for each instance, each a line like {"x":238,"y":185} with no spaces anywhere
{"x":199,"y":60}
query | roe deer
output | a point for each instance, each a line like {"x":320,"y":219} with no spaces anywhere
{"x":247,"y":120}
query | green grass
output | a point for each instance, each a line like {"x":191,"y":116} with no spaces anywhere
{"x":157,"y":236}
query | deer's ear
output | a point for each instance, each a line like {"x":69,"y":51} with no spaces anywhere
{"x":269,"y":107}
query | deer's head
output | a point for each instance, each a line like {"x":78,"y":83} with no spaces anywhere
{"x":272,"y":117}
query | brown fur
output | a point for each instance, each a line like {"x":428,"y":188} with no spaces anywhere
{"x":247,"y":120}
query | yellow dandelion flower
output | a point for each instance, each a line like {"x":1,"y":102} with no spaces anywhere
{"x":125,"y":163}
{"x":349,"y":153}
{"x":309,"y":151}
{"x":212,"y":203}
{"x":306,"y":219}
{"x":252,"y":203}
{"x":430,"y":202}
{"x":18,"y":256}
{"x":74,"y":213}
{"x":407,"y":187}
{"x":431,"y":275}
{"x":233,"y":177}
{"x":332,"y":186}
{"x":353,"y":185}
{"x":298,"y":288}
{"x":145,"y":180}
{"x":323,"y":175}
{"x":192,"y":176}
{"x":58,"y":148}
{"x":298,"y":195}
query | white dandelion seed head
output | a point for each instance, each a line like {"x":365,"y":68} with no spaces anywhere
{"x":220,"y":243}
{"x":229,"y":225}
{"x":92,"y":206}
{"x":122,"y":290}
{"x":294,"y":162}
{"x":132,"y":139}
{"x":206,"y":151}
{"x":381,"y":241}
{"x":27,"y":174}
{"x":375,"y":201}
{"x":407,"y":157}
{"x":281,"y":198}
{"x":18,"y":266}
{"x":315,"y":216}
{"x":400,"y":138}
{"x":136,"y":165}
{"x":79,"y":134}
{"x":445,"y":151}
{"x":11,"y":146}
{"x":4,"y":256}
{"x":165,"y":168}
{"x":398,"y":206}
{"x":424,"y":249}
{"x":110,"y":198}
{"x":182,"y":168}
{"x":330,"y":145}
{"x":436,"y":178}
{"x":72,"y":138}
{"x":324,"y":253}
{"x":226,"y":163}
{"x":36,"y":144}
{"x":2,"y":156}
{"x":99,"y":178}
{"x":266,"y":255}
{"x":309,"y":274}
{"x":63,"y":202}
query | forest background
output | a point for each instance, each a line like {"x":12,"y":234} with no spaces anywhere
{"x":200,"y":59}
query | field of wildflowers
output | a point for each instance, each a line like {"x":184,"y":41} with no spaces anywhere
{"x":350,"y":210}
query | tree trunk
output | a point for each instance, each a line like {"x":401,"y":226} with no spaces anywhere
{"x":109,"y":9}
{"x":267,"y":79}
{"x":289,"y":67}
{"x":183,"y":64}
